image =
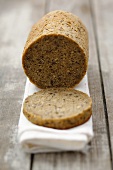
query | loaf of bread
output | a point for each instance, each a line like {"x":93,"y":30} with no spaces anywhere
{"x":56,"y":51}
{"x":58,"y":108}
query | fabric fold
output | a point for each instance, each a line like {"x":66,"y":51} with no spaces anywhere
{"x":35,"y":139}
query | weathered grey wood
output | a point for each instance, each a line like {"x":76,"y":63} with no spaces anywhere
{"x":104,"y":35}
{"x":98,"y":156}
{"x":16,"y":19}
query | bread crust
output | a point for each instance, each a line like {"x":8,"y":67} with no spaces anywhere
{"x":70,"y":28}
{"x":64,"y":122}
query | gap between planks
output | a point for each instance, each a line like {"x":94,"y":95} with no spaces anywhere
{"x":101,"y":80}
{"x":77,"y":159}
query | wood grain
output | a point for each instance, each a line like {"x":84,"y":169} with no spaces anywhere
{"x":103,"y":34}
{"x":16,"y":19}
{"x":99,"y":155}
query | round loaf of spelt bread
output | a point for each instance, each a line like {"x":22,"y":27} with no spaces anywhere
{"x":56,"y":51}
{"x":58,"y":108}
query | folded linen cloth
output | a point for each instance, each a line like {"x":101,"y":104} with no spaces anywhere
{"x":35,"y":139}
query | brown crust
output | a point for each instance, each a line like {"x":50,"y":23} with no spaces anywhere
{"x":81,"y":36}
{"x":78,"y":36}
{"x":62,"y":122}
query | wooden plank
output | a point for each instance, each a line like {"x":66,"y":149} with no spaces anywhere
{"x":98,"y":156}
{"x":103,"y":29}
{"x":16,"y":20}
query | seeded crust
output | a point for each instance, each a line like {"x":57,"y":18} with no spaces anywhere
{"x":58,"y":108}
{"x":56,"y":51}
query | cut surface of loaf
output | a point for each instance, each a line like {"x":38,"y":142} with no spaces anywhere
{"x":58,"y":108}
{"x":56,"y":51}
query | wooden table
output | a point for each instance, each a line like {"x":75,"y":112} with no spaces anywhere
{"x":16,"y":19}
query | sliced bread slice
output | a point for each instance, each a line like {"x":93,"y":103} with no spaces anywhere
{"x":59,"y":108}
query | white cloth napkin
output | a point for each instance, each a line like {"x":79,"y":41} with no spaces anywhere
{"x":35,"y":139}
